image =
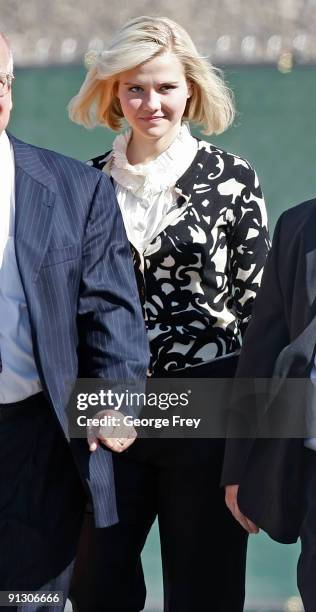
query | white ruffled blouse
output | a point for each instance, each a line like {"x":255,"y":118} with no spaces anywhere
{"x":146,"y":193}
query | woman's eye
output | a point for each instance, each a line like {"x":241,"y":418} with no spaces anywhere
{"x":135,"y":89}
{"x":139,"y":89}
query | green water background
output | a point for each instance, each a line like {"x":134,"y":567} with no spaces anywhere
{"x":275,"y":130}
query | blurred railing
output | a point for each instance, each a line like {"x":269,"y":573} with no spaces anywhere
{"x":238,"y":31}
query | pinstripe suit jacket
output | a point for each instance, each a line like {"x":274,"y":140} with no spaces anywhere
{"x":75,"y":266}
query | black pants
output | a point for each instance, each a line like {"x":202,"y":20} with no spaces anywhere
{"x":203,"y":548}
{"x":41,"y":502}
{"x":306,"y":569}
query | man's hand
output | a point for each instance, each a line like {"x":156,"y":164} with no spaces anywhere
{"x":231,"y":492}
{"x":116,"y":437}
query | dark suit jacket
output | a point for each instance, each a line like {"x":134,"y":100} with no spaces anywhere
{"x":75,"y":265}
{"x":279,"y":343}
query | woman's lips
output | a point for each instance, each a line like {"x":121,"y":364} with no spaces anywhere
{"x":152,"y":118}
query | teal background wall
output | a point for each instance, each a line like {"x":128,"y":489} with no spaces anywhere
{"x":275,"y":130}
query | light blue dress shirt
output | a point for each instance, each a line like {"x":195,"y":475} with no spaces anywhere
{"x":19,"y":378}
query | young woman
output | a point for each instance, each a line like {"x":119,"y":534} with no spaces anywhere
{"x":196,"y":221}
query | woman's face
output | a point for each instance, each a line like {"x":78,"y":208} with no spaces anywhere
{"x":153,"y":96}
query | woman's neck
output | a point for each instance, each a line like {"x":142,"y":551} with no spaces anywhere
{"x":143,"y":150}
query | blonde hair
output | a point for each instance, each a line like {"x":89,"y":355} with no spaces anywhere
{"x":141,"y":39}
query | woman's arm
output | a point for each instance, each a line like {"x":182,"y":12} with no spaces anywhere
{"x":249,"y":245}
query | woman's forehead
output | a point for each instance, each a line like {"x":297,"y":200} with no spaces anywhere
{"x":165,"y":66}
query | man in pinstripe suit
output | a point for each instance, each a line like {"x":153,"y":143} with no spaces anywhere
{"x":68,"y":306}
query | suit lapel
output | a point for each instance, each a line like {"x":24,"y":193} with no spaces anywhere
{"x":309,"y":242}
{"x":35,"y":192}
{"x":302,"y":349}
{"x":297,"y":358}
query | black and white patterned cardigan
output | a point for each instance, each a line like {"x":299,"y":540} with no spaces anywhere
{"x":198,"y":278}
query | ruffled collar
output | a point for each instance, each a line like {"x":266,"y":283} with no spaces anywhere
{"x":158,"y":175}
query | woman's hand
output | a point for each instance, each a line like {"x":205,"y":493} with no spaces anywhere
{"x":231,"y":492}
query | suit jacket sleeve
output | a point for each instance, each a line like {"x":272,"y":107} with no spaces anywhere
{"x":265,"y":337}
{"x":112,"y":337}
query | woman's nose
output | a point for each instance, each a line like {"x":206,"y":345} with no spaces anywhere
{"x":152,"y":101}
